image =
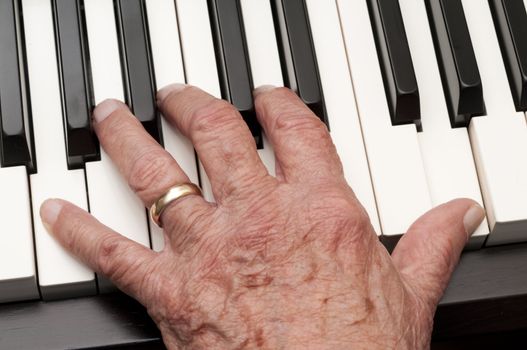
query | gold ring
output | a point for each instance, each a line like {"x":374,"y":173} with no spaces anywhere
{"x":174,"y":193}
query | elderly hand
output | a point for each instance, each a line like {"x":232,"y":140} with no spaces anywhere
{"x":281,"y":262}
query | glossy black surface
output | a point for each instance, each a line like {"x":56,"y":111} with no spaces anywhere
{"x":457,"y":61}
{"x":75,"y":79}
{"x":233,"y":61}
{"x":16,"y":136}
{"x":136,"y":60}
{"x":510,"y":21}
{"x":298,"y":54}
{"x":95,"y":322}
{"x":398,"y":72}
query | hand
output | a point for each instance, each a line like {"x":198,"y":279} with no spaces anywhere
{"x":281,"y":262}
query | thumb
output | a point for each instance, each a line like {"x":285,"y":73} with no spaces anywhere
{"x":428,"y":253}
{"x":126,"y":263}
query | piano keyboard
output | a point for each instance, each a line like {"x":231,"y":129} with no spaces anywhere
{"x":424,"y":100}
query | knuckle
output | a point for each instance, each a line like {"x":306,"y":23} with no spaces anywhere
{"x":358,"y":220}
{"x":299,"y":122}
{"x":214,"y":116}
{"x":149,"y":171}
{"x":108,"y":248}
{"x":123,"y":264}
{"x":344,"y":211}
{"x":345,"y":222}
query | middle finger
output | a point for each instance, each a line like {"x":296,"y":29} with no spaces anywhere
{"x":221,"y":138}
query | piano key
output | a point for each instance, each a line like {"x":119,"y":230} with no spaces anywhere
{"x":262,"y":46}
{"x":457,"y":63}
{"x":340,"y":101}
{"x":168,"y":64}
{"x":263,"y":53}
{"x":298,"y":54}
{"x":18,"y":280}
{"x":77,"y":102}
{"x":499,"y":140}
{"x":394,"y":154}
{"x":136,"y":61}
{"x":510,"y":20}
{"x":60,"y":274}
{"x":16,"y":143}
{"x":497,"y":95}
{"x":396,"y":62}
{"x":103,"y":178}
{"x":233,"y":61}
{"x":18,"y":277}
{"x":447,"y":153}
{"x":199,"y":59}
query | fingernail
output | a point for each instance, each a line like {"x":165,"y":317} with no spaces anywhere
{"x":167,"y":90}
{"x":49,"y":211}
{"x":106,"y":108}
{"x":473,"y":218}
{"x":264,"y":88}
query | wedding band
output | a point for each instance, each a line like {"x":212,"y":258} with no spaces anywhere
{"x":174,"y":193}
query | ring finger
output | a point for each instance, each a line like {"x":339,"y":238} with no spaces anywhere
{"x":149,"y":170}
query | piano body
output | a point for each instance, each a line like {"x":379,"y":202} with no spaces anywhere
{"x":424,"y":99}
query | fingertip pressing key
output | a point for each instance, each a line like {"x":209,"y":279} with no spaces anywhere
{"x":262,"y":89}
{"x":49,"y":212}
{"x":163,"y":93}
{"x":473,"y":218}
{"x":106,"y":108}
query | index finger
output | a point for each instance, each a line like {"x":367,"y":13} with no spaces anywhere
{"x":148,"y":168}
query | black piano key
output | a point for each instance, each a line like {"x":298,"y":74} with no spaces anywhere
{"x":75,"y":81}
{"x":298,"y":54}
{"x":396,"y":61}
{"x":16,"y":136}
{"x":233,"y":61}
{"x":136,"y":60}
{"x":510,"y":20}
{"x":457,"y":61}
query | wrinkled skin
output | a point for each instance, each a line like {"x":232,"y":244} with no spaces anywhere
{"x":281,"y":262}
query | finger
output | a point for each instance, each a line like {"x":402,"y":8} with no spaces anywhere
{"x":126,"y":263}
{"x":301,"y":141}
{"x":428,"y":253}
{"x":148,"y":168}
{"x":220,"y":136}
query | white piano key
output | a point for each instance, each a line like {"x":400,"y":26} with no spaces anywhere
{"x":128,"y":216}
{"x":261,"y":42}
{"x":168,"y":67}
{"x":499,"y":140}
{"x":199,"y":58}
{"x":18,"y":277}
{"x":447,"y":153}
{"x":394,"y":156}
{"x":264,"y":57}
{"x":60,"y":274}
{"x":340,"y":101}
